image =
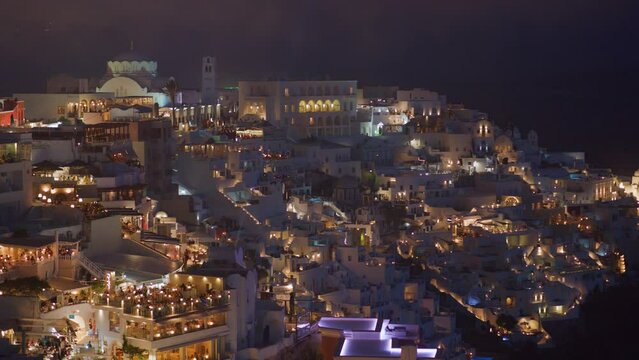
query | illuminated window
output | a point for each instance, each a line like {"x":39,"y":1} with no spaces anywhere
{"x":336,"y":106}
{"x":286,"y":93}
{"x":310,"y":106}
{"x":285,"y":108}
{"x":311,"y":121}
{"x":350,"y":90}
{"x":303,"y":106}
{"x":319,"y":105}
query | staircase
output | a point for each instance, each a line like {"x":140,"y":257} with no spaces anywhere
{"x":93,"y":268}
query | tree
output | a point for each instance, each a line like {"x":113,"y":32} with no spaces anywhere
{"x":27,"y":286}
{"x":133,"y":351}
{"x":171,"y":88}
{"x":506,"y":321}
{"x":93,"y":210}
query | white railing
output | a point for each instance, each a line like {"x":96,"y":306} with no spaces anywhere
{"x":92,"y":267}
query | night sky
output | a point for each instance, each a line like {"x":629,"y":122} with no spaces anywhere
{"x":565,"y":68}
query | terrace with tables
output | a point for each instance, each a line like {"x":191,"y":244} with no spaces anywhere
{"x":27,"y":256}
{"x":157,"y":312}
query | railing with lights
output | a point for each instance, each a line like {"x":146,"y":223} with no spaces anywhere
{"x":162,"y":303}
{"x":144,"y":331}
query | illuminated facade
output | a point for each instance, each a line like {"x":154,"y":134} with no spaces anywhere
{"x":11,"y":112}
{"x":306,"y":108}
{"x":130,"y":76}
{"x":184,"y":319}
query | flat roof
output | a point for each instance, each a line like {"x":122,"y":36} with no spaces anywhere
{"x":379,"y":348}
{"x":66,"y":284}
{"x":28,"y":242}
{"x":353,"y":324}
{"x":143,"y":267}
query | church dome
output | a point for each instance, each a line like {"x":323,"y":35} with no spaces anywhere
{"x":132,"y":64}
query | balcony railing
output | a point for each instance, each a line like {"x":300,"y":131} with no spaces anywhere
{"x":154,"y":309}
{"x":140,"y":330}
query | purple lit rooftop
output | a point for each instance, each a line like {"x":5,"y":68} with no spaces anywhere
{"x":378,"y":349}
{"x":352,"y":324}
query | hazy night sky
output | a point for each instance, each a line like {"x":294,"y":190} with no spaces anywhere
{"x":566,"y":68}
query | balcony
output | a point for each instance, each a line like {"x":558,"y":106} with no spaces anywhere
{"x":139,"y":329}
{"x":162,"y":303}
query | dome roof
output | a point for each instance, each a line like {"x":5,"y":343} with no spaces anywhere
{"x":131,"y":56}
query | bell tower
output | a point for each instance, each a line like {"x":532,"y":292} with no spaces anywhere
{"x":208,"y":90}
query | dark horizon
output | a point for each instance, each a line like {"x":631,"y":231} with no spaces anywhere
{"x":561,"y":68}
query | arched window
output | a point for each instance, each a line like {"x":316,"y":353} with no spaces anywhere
{"x":311,"y":121}
{"x":302,"y":106}
{"x":325,"y":106}
{"x":310,"y":106}
{"x":320,"y":121}
{"x":337,"y":106}
{"x":329,"y":121}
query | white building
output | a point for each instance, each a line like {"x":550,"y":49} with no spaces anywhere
{"x":306,"y":108}
{"x":15,"y":175}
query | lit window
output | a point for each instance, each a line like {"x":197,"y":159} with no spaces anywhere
{"x":286,"y":93}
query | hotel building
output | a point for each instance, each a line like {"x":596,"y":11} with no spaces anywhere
{"x":305,"y":108}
